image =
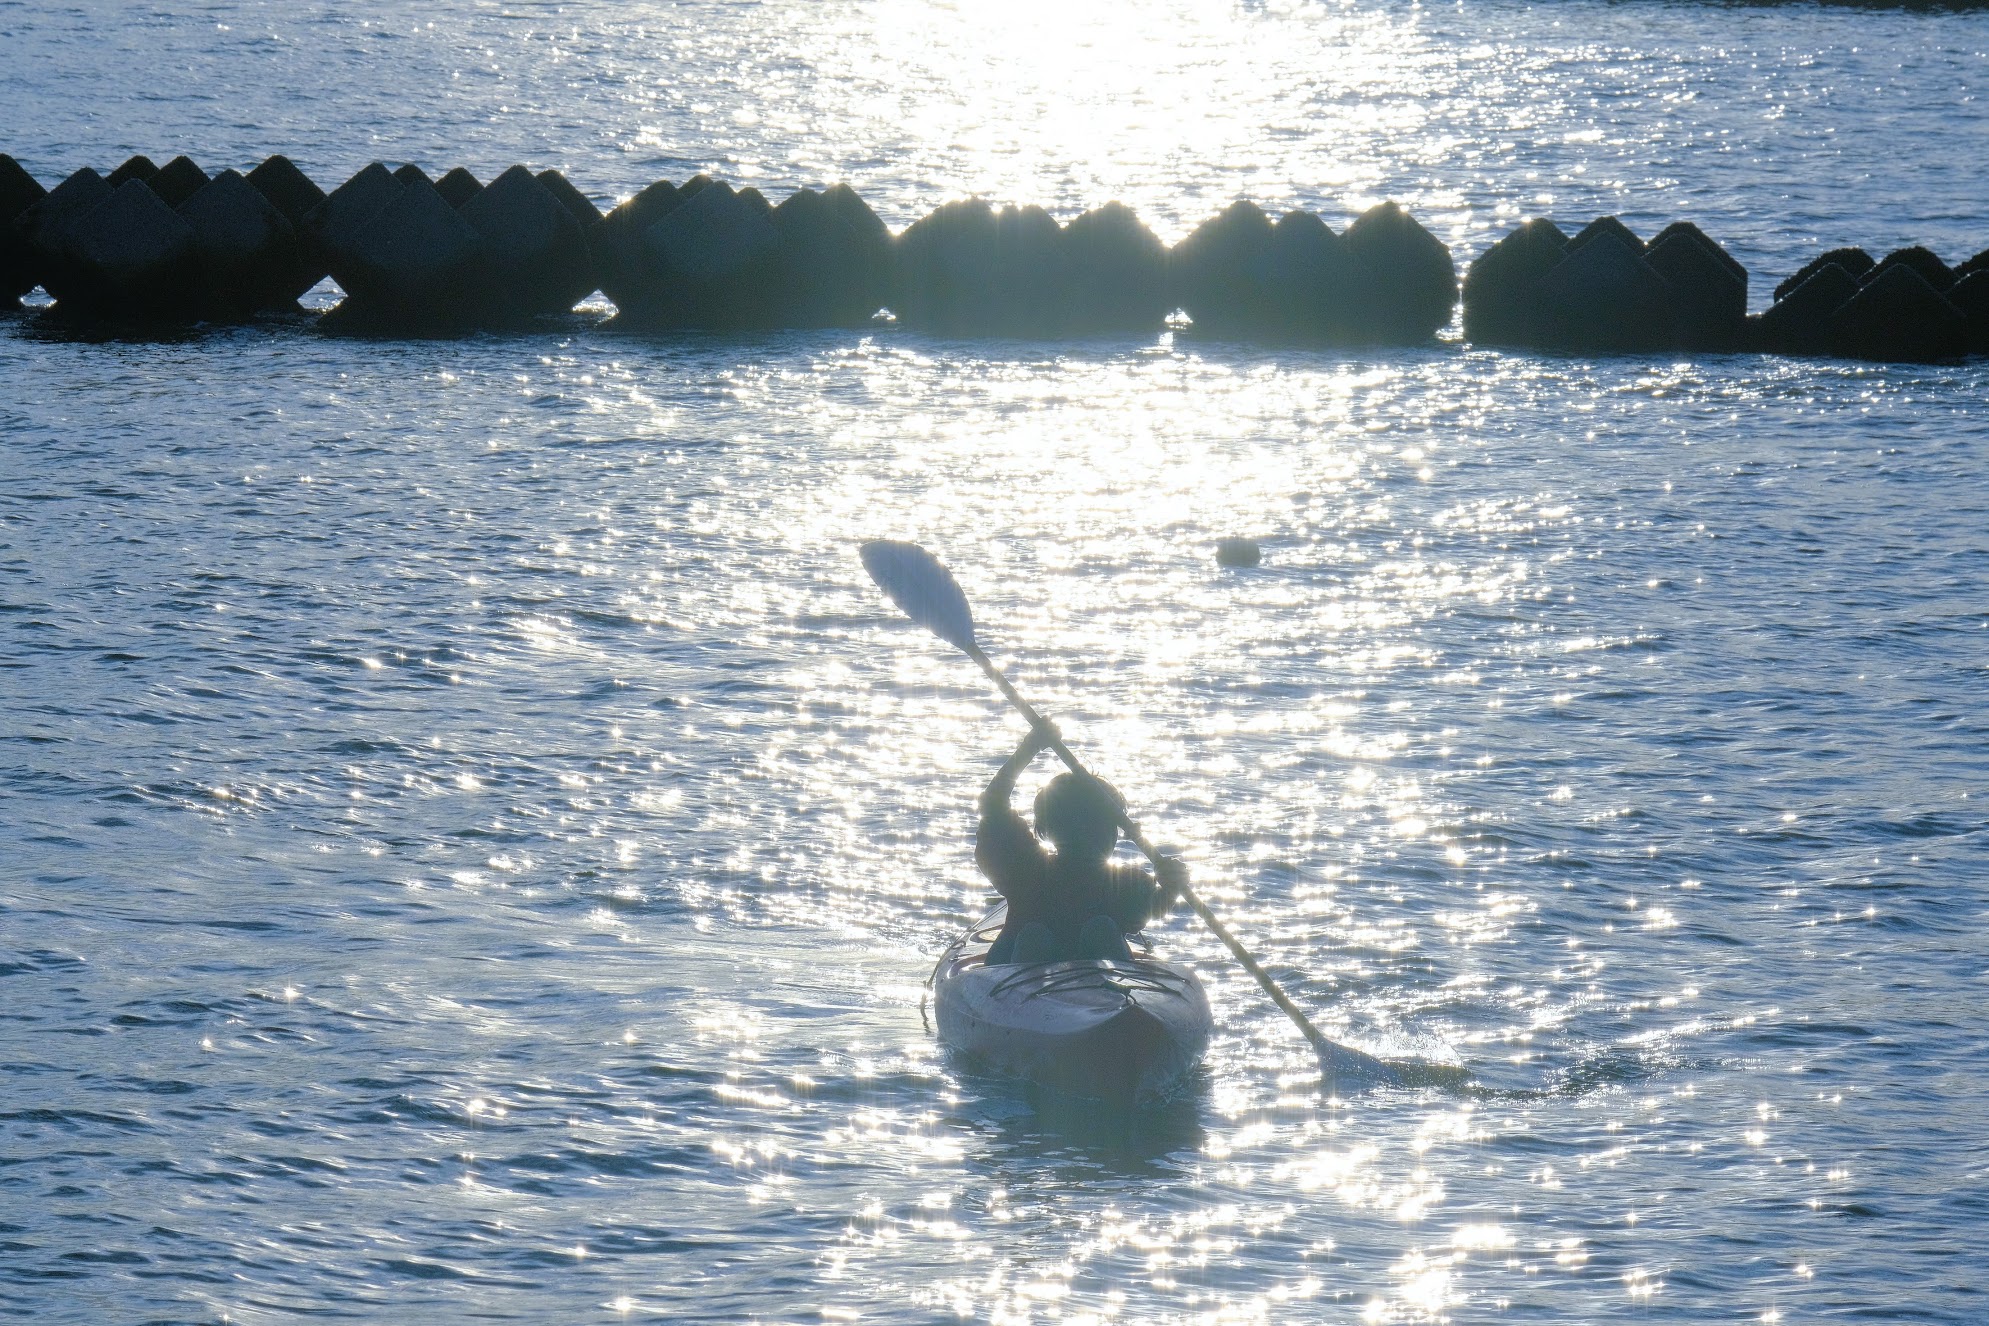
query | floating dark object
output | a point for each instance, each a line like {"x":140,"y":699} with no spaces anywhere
{"x":1238,"y":552}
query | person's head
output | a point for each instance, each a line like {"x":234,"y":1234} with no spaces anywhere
{"x":1079,"y":814}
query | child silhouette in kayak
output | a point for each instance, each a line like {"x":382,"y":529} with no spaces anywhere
{"x":1075,"y":901}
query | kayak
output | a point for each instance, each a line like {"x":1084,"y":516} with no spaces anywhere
{"x":1122,"y":1032}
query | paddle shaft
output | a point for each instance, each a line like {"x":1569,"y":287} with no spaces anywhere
{"x":1236,"y":949}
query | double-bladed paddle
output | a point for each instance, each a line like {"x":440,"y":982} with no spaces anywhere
{"x":929,"y":595}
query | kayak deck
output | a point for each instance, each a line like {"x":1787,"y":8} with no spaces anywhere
{"x":1121,"y":1032}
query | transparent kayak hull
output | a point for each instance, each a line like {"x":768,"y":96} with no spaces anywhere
{"x":1121,"y":1032}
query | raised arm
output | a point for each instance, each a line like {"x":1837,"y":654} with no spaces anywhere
{"x":1004,"y":849}
{"x":1002,"y":786}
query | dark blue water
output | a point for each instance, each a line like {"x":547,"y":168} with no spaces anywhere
{"x":471,"y":839}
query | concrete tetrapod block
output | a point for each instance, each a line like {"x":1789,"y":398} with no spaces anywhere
{"x":535,"y":256}
{"x":458,"y":187}
{"x":407,"y":173}
{"x":712,"y":235}
{"x":293,"y":193}
{"x":18,"y":192}
{"x":289,"y":190}
{"x":1676,"y":228}
{"x":1897,"y":316}
{"x":831,"y":273}
{"x":856,"y":213}
{"x":412,"y":266}
{"x":1921,"y":259}
{"x":1606,"y":225}
{"x":869,"y":286}
{"x":1220,"y":273}
{"x":628,"y":276}
{"x":42,"y":227}
{"x":806,"y":226}
{"x":130,"y":256}
{"x":1799,"y":321}
{"x":1979,"y":263}
{"x":1310,"y":279}
{"x":1502,"y":288}
{"x":133,"y":168}
{"x":1114,"y":274}
{"x":1029,"y":273}
{"x":1853,"y":262}
{"x":1603,"y":296}
{"x":332,"y":227}
{"x":177,"y":181}
{"x":1971,"y":295}
{"x":1402,"y":285}
{"x":943,"y":276}
{"x":575,"y":202}
{"x":710,"y":258}
{"x":967,"y":270}
{"x":1708,"y":301}
{"x":248,"y":251}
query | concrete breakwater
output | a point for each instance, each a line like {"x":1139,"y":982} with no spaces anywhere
{"x":435,"y":256}
{"x":1606,"y":289}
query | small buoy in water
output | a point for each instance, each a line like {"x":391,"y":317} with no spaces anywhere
{"x":1238,"y":552}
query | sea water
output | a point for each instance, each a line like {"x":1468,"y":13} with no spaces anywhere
{"x":472,"y":839}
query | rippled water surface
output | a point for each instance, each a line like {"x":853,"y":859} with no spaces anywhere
{"x":473,"y":840}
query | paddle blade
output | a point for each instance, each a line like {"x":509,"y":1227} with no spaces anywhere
{"x":924,"y":589}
